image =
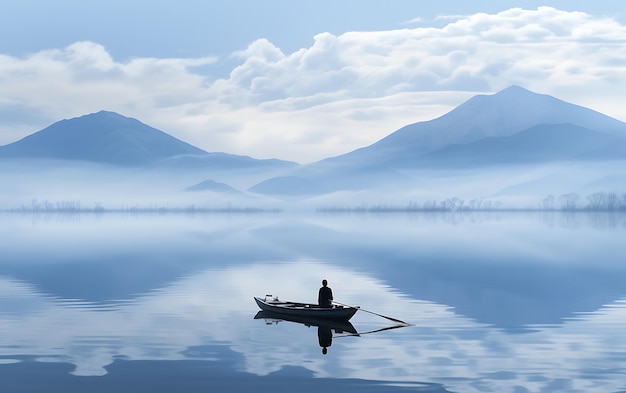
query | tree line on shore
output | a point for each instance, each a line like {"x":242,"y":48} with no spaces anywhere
{"x":598,"y":201}
{"x":46,"y":206}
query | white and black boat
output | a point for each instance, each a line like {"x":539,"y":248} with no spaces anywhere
{"x":305,"y":310}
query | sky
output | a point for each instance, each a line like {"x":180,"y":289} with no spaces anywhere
{"x":298,"y":81}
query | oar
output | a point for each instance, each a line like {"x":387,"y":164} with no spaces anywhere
{"x":373,"y":331}
{"x":371,"y":312}
{"x":386,"y":328}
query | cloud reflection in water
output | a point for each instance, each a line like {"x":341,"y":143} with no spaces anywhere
{"x":210,"y":306}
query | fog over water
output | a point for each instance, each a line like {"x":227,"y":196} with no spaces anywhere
{"x":57,"y":185}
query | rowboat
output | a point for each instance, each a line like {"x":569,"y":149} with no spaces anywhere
{"x":305,"y":310}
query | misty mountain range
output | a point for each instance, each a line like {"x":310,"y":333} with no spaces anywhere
{"x":110,"y":138}
{"x":513,"y":128}
{"x":504,"y":114}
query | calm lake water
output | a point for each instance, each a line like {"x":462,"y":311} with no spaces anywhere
{"x":498,"y":302}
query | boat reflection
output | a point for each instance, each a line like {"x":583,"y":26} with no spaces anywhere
{"x":325,"y":328}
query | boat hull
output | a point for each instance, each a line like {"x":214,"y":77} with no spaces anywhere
{"x":306,"y":310}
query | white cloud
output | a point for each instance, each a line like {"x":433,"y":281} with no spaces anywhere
{"x":341,"y":93}
{"x":413,"y":21}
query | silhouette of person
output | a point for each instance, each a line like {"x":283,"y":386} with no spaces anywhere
{"x":325,"y":295}
{"x":325,"y":337}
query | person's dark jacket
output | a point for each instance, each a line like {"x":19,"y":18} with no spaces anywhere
{"x":325,"y":297}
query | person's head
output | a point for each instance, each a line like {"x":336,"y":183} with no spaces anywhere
{"x":324,"y":283}
{"x":324,"y":350}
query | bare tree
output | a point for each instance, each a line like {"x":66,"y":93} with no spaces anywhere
{"x":569,"y":201}
{"x":547,"y":203}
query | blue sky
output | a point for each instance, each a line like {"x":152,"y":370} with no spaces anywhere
{"x":298,"y":80}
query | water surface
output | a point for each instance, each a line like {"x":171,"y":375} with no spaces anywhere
{"x":504,"y":302}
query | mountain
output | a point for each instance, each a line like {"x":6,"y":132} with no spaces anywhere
{"x":487,"y":133}
{"x":513,"y":126}
{"x":211,"y":185}
{"x":104,"y":137}
{"x":309,"y":181}
{"x":287,"y":186}
{"x":538,"y":144}
{"x":110,"y":138}
{"x":505,"y":113}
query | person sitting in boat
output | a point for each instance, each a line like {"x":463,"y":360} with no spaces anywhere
{"x":325,"y":295}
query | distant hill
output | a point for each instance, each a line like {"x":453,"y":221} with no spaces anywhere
{"x":104,"y":137}
{"x":211,"y":185}
{"x":486,"y":133}
{"x":110,"y":138}
{"x":513,"y":126}
{"x":287,"y":186}
{"x":503,"y":114}
{"x":306,"y":183}
{"x":539,"y":144}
